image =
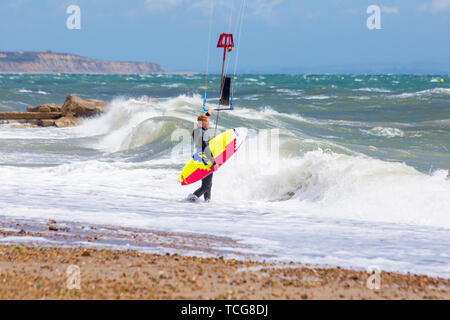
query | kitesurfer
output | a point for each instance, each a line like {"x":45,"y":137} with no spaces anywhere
{"x":201,"y":141}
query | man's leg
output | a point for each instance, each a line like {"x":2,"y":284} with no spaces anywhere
{"x":204,"y":187}
{"x":208,"y":185}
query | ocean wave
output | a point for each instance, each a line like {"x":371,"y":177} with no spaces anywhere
{"x":30,"y":91}
{"x":435,"y":91}
{"x":133,"y":123}
{"x":384,"y":132}
{"x":290,"y":92}
{"x":171,"y":85}
{"x":359,"y":97}
{"x":444,"y":123}
{"x":373,"y":90}
{"x":251,"y":97}
{"x":268,"y":114}
{"x":319,"y":97}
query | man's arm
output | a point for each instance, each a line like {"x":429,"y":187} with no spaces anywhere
{"x":206,"y":149}
{"x":208,"y":154}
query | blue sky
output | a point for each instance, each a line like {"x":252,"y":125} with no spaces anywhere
{"x":277,"y":35}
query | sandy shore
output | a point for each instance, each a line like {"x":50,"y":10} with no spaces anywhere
{"x":41,"y":273}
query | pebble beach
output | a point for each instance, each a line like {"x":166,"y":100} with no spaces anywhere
{"x":36,"y":270}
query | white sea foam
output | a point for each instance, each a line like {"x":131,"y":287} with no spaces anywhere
{"x":171,"y":85}
{"x":319,"y":184}
{"x":30,"y":91}
{"x":319,"y":97}
{"x":333,"y":185}
{"x":290,"y":92}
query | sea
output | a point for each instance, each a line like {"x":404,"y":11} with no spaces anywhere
{"x":336,"y":170}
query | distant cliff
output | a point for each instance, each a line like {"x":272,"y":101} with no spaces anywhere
{"x":49,"y":62}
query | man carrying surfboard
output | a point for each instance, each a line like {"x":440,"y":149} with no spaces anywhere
{"x":201,"y":141}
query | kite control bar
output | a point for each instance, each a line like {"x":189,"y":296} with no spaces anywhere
{"x":227,"y":43}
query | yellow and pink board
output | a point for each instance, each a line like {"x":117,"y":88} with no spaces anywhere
{"x":222,"y":148}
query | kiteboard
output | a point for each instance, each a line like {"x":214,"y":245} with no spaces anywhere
{"x":223,"y":147}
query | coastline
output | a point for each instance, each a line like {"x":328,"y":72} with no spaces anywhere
{"x":38,"y":269}
{"x":101,"y":73}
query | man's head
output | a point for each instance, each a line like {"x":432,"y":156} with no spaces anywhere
{"x":203,"y":121}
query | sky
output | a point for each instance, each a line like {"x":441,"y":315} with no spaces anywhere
{"x":277,"y":36}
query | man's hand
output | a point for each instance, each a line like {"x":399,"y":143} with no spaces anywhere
{"x":211,"y":111}
{"x":216,"y":167}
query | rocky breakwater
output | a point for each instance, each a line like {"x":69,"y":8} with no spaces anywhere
{"x":62,"y":115}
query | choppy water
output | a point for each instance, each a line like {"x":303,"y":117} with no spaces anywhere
{"x":360,"y":177}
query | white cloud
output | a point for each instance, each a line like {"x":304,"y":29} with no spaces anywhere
{"x":205,"y":6}
{"x":389,"y":10}
{"x":436,"y":6}
{"x":158,"y":5}
{"x":263,"y":8}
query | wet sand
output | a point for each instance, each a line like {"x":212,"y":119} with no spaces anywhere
{"x":35,"y":257}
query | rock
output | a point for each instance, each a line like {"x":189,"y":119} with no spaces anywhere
{"x":85,"y":254}
{"x":77,"y":107}
{"x":26,"y":116}
{"x":66,"y":122}
{"x":61,"y":116}
{"x":44,"y":109}
{"x":55,"y":107}
{"x":33,"y":109}
{"x":47,"y":107}
{"x":52,"y":228}
{"x":47,"y":123}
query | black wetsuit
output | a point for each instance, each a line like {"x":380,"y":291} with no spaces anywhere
{"x":201,"y":140}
